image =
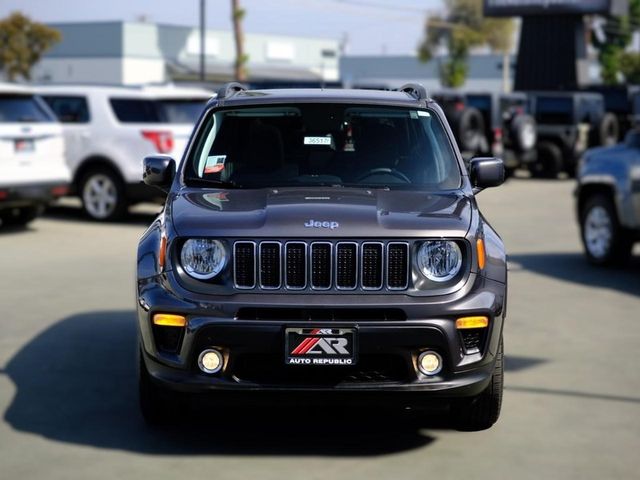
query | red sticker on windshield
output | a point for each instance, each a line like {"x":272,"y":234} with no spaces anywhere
{"x":215,"y":164}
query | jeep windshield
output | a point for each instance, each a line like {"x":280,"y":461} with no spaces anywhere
{"x":323,"y":145}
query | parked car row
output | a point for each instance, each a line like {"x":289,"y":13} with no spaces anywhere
{"x":87,"y":141}
{"x":545,"y":132}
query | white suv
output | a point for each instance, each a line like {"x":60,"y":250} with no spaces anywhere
{"x":33,"y":170}
{"x":109,"y":130}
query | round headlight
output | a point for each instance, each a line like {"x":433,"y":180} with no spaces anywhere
{"x":439,"y":260}
{"x":203,"y":258}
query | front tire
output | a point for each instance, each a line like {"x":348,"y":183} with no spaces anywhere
{"x":605,"y":241}
{"x":103,"y":195}
{"x":482,"y":411}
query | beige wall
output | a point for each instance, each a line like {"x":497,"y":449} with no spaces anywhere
{"x":126,"y":71}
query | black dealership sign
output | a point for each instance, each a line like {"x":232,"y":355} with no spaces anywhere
{"x":517,"y":8}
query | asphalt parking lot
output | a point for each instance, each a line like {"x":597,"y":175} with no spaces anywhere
{"x":67,"y":370}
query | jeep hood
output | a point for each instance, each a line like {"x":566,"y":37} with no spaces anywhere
{"x":318,"y":212}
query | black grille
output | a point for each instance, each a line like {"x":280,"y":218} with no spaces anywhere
{"x":168,"y":339}
{"x":268,"y":369}
{"x":372,"y":265}
{"x":347,"y":265}
{"x":244,"y":264}
{"x":473,"y":339}
{"x":397,"y":265}
{"x":321,"y":265}
{"x":322,"y":314}
{"x":270,"y":265}
{"x":296,"y":265}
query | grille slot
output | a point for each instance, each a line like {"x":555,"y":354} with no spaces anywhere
{"x":244,"y":267}
{"x":371,"y":266}
{"x":346,"y":265}
{"x":270,"y":265}
{"x":295,"y":265}
{"x":397,"y":266}
{"x":321,"y":265}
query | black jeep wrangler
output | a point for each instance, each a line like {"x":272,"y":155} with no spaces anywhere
{"x":568,"y":123}
{"x":471,"y":130}
{"x":325,"y":244}
{"x":623,"y":101}
{"x":510,"y":130}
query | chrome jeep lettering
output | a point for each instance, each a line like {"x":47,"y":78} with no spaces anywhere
{"x":321,"y":224}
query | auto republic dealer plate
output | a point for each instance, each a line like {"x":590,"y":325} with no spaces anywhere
{"x":320,"y":346}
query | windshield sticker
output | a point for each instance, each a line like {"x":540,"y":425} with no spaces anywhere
{"x":326,"y":140}
{"x":422,"y":113}
{"x":413,"y":114}
{"x":215,"y":163}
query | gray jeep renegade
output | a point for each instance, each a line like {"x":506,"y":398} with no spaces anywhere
{"x":325,"y":245}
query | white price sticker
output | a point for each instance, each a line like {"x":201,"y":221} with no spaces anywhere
{"x":328,"y":141}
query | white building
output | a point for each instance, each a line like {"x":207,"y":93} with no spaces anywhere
{"x":136,"y":53}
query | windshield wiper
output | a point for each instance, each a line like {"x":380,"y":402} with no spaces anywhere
{"x":212,"y":182}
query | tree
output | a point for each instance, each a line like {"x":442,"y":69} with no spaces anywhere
{"x":462,"y":28}
{"x":617,"y":33}
{"x":630,"y":67}
{"x":23,"y":44}
{"x":237,"y":14}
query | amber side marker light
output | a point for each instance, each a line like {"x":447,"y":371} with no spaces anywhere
{"x":472,"y":322}
{"x":169,"y":320}
{"x":162,"y":251}
{"x":482,"y":257}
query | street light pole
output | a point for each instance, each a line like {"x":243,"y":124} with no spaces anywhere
{"x":202,"y":32}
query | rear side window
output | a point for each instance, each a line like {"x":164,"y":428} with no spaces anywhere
{"x":181,"y":111}
{"x":554,"y":110}
{"x":481,"y":102}
{"x":69,"y":109}
{"x":23,"y":108}
{"x":184,"y":111}
{"x":135,"y":111}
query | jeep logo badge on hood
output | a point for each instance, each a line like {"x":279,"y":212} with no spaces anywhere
{"x":318,"y":224}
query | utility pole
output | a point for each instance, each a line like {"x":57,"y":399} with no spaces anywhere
{"x":202,"y":43}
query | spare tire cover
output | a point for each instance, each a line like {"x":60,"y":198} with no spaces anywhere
{"x":523,"y":132}
{"x":468,"y":126}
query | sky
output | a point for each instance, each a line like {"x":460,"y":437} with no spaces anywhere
{"x":371,"y":27}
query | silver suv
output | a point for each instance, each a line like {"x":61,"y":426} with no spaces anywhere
{"x":608,"y":200}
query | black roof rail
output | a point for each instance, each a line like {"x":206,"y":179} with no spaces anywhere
{"x":415,"y":90}
{"x":230,"y":89}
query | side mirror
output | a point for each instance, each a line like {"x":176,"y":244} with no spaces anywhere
{"x":486,"y":172}
{"x":158,"y":171}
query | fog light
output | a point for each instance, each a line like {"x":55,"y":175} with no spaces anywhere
{"x":429,"y":363}
{"x":210,"y":361}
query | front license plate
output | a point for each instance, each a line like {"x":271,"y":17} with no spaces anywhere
{"x":320,"y":346}
{"x":24,"y":145}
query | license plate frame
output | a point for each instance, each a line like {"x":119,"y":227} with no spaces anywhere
{"x":24,"y":145}
{"x":321,"y":346}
